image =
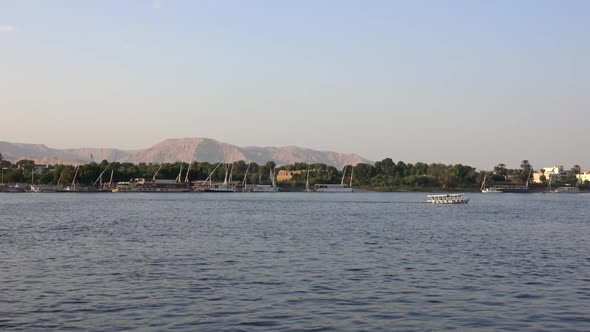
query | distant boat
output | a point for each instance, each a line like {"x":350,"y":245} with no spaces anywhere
{"x":447,"y":199}
{"x":72,"y":187}
{"x":334,"y":188}
{"x":101,"y":186}
{"x":492,"y":190}
{"x":331,"y":188}
{"x":487,"y":190}
{"x":228,"y":186}
{"x":507,"y":188}
{"x":37,"y":188}
{"x":142,"y":185}
{"x":260,"y":188}
{"x":567,"y":189}
{"x":4,"y":188}
{"x":153,"y":185}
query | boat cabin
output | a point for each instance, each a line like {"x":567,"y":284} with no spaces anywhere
{"x":447,"y":199}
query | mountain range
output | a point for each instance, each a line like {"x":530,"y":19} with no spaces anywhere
{"x":172,"y":150}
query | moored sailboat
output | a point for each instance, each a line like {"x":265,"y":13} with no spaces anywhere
{"x":334,"y":188}
{"x":260,"y":188}
{"x":153,"y":185}
{"x":565,"y":189}
{"x":489,"y":189}
{"x":228,"y":186}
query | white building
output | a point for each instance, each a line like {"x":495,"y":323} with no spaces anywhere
{"x":553,"y":173}
{"x":584,"y":176}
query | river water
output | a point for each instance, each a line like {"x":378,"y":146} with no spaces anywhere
{"x":293,"y":261}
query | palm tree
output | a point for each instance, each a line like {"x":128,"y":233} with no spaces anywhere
{"x":500,"y":169}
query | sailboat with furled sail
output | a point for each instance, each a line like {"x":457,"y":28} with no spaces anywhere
{"x":228,"y":186}
{"x":488,"y":189}
{"x":261,"y":188}
{"x":334,"y":188}
{"x":565,"y":189}
{"x":73,"y":187}
{"x":101,"y":186}
{"x":154,"y":185}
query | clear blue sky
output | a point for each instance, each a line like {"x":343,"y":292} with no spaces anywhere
{"x":476,"y":82}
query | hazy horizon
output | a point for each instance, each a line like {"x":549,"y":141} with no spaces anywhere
{"x":477,"y":83}
{"x":514,"y":164}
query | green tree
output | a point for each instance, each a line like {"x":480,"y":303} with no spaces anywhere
{"x":576,"y":169}
{"x":500,"y":169}
{"x":387,"y":166}
{"x":25,"y":163}
{"x":526,"y":170}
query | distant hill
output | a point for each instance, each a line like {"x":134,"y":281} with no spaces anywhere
{"x":184,"y":149}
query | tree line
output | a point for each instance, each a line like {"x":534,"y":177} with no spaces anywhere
{"x":382,"y":175}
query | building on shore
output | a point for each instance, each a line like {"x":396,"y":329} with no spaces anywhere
{"x":286,"y":176}
{"x":37,"y":168}
{"x":583,"y":177}
{"x":554,"y":173}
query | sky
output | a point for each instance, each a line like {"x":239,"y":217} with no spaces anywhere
{"x":472,"y":82}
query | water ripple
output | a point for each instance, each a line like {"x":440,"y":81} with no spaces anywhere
{"x":293,"y":262}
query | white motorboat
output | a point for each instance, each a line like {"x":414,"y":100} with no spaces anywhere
{"x":447,"y":199}
{"x":567,"y":190}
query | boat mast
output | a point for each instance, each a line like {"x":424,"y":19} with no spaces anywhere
{"x":483,"y":183}
{"x":111,"y":180}
{"x":343,"y":175}
{"x":549,"y":186}
{"x":59,"y":179}
{"x":112,"y":171}
{"x":246,"y":176}
{"x":101,"y":174}
{"x":210,"y":177}
{"x":225,"y":179}
{"x":272,"y":178}
{"x":351,"y":176}
{"x":75,"y":175}
{"x":187,"y":171}
{"x":179,"y":173}
{"x":231,"y":171}
{"x":158,"y":171}
{"x":307,"y":180}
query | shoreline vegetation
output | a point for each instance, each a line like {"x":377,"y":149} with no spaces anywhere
{"x":384,"y":176}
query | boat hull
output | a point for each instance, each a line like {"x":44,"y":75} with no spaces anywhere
{"x":465,"y":201}
{"x":261,"y":190}
{"x":333,"y":190}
